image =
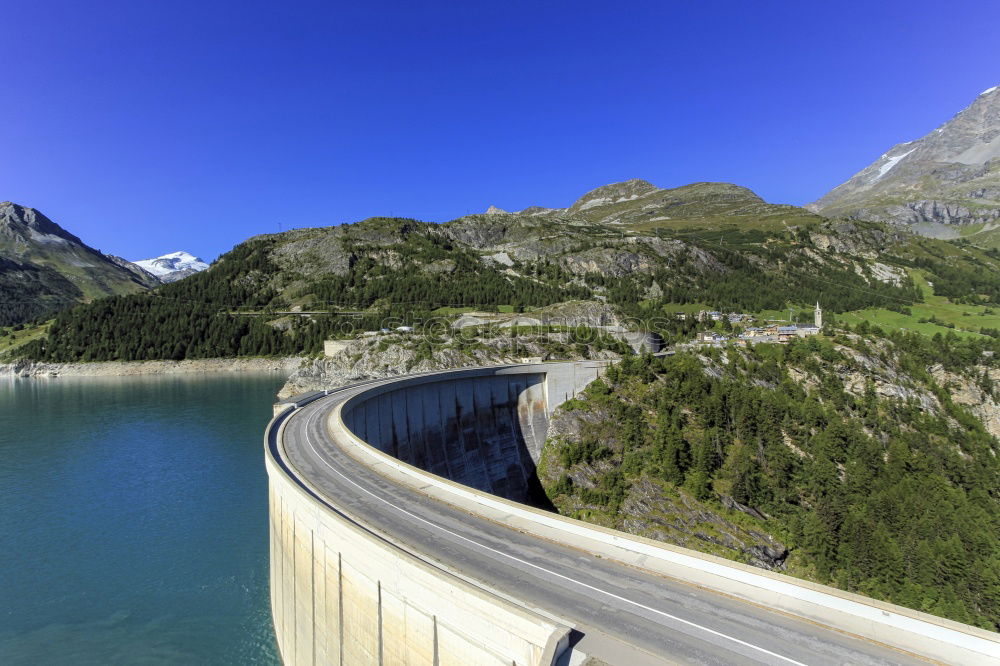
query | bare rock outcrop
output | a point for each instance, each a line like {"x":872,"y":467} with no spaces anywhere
{"x":966,"y":391}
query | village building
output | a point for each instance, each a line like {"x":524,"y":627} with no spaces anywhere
{"x":775,"y":332}
{"x":758,"y":339}
{"x":806,"y":330}
{"x":786,"y":333}
{"x":711,"y":338}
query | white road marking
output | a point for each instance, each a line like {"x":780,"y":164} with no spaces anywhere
{"x":535,"y":566}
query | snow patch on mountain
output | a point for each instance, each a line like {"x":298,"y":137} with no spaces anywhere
{"x":988,"y":91}
{"x":893,"y":161}
{"x":173,"y":266}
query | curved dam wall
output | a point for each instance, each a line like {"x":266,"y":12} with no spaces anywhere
{"x":483,"y":430}
{"x":343,"y":595}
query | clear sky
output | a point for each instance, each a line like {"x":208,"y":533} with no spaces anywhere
{"x":149,"y":127}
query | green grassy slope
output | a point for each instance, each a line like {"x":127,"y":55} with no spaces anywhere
{"x":936,"y":314}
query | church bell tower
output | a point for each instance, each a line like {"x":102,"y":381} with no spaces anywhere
{"x":818,"y":316}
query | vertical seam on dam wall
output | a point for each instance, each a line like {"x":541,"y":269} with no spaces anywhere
{"x":437,"y":658}
{"x":340,"y":604}
{"x":381,"y":629}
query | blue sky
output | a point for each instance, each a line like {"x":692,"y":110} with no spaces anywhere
{"x":146,"y":128}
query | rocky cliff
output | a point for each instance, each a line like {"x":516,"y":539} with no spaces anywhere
{"x":29,"y":369}
{"x":640,"y":203}
{"x":651,"y":507}
{"x":389,"y":355}
{"x":632,"y":232}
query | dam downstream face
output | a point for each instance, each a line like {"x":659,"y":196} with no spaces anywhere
{"x":484,"y":432}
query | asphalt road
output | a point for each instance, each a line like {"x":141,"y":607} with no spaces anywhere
{"x":623,"y":615}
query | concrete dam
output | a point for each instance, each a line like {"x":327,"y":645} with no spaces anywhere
{"x":408,"y":527}
{"x":484,"y":431}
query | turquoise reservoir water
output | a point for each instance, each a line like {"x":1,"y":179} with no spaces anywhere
{"x":133,"y":521}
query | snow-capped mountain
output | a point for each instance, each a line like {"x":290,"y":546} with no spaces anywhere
{"x":172,"y":267}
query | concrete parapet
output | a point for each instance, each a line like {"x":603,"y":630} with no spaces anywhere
{"x":297,"y":401}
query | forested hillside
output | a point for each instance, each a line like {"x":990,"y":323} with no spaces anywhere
{"x":230,"y":310}
{"x":720,"y":248}
{"x":852,"y":452}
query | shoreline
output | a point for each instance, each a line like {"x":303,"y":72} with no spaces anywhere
{"x":31,"y":369}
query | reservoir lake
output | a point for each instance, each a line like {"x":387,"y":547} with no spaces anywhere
{"x":133,"y":520}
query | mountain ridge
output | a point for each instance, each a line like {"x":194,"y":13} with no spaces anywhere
{"x":721,"y":246}
{"x":639,"y":202}
{"x":47,"y":268}
{"x":945,"y":183}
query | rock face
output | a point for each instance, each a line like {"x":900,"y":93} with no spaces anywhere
{"x":615,"y":231}
{"x":377,"y":357}
{"x":135,"y":269}
{"x":948,"y":178}
{"x":973,"y":395}
{"x":613,"y":194}
{"x":26,"y":369}
{"x":44,"y":268}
